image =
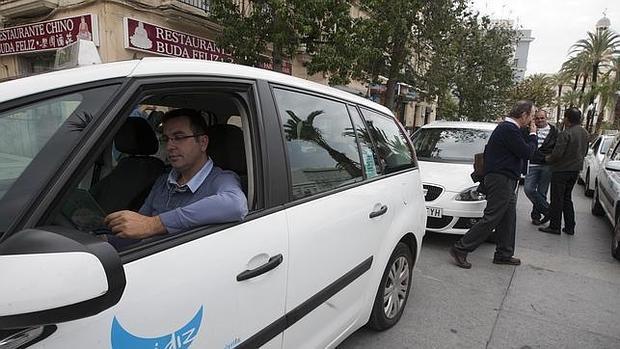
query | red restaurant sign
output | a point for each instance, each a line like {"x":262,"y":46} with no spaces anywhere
{"x":146,"y":37}
{"x":48,"y":35}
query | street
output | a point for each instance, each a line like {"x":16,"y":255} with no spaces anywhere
{"x":564,"y":295}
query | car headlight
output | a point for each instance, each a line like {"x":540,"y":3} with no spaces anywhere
{"x":470,"y":194}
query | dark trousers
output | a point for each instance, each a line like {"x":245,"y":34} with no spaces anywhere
{"x":562,"y":184}
{"x":500,"y":214}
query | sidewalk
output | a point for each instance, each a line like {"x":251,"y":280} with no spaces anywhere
{"x":566,"y":294}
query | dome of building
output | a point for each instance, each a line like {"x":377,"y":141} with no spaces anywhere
{"x":603,"y":23}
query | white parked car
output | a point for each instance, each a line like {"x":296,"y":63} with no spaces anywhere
{"x":335,"y":226}
{"x":445,"y":153}
{"x":592,"y":162}
{"x":606,"y":200}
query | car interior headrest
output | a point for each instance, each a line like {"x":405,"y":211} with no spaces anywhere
{"x":136,"y":137}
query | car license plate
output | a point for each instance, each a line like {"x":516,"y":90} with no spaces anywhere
{"x":433,"y":212}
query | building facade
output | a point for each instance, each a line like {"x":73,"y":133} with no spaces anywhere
{"x":522,"y":50}
{"x":34,"y":35}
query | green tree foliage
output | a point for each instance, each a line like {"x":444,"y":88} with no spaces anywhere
{"x":537,"y":88}
{"x":598,"y":49}
{"x":253,"y":28}
{"x":483,"y":75}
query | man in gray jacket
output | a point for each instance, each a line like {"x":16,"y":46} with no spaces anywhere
{"x":566,"y":161}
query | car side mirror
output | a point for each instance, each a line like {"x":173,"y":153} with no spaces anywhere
{"x":590,"y":151}
{"x":613,"y":165}
{"x":56,"y":275}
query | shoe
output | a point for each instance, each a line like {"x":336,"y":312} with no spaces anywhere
{"x":460,"y":258}
{"x":509,"y":261}
{"x":536,"y":221}
{"x":568,"y":231}
{"x":549,"y":230}
{"x":545,"y":219}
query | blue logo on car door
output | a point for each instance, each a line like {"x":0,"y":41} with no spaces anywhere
{"x":180,"y":339}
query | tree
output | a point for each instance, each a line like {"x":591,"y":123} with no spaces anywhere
{"x":560,"y":79}
{"x":536,"y":88}
{"x":250,"y":28}
{"x":483,"y":76}
{"x":608,"y":89}
{"x":393,"y":39}
{"x":598,"y":47}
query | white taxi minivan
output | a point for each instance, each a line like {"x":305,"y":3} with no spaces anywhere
{"x":335,"y":224}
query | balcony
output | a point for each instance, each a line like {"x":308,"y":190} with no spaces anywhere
{"x":199,"y":4}
{"x":13,"y":9}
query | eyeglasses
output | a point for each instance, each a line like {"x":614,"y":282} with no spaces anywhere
{"x":178,"y":138}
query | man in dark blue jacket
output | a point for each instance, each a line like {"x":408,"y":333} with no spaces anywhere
{"x":504,"y":155}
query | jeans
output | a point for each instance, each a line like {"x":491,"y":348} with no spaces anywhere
{"x":562,"y":184}
{"x":535,"y":187}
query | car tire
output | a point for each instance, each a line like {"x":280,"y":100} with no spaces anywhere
{"x":398,"y":272}
{"x":595,"y":206}
{"x":615,"y":240}
{"x":586,"y":188}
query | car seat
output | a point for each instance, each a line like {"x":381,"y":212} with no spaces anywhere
{"x":226,"y":149}
{"x":130,"y":182}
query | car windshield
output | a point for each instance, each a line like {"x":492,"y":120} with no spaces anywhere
{"x":449,"y":144}
{"x":24,"y":131}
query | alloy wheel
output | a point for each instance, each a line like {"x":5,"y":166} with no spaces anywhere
{"x":396,"y":287}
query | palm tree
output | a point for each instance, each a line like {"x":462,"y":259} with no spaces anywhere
{"x":598,"y":48}
{"x":576,"y":66}
{"x":560,"y":79}
{"x":615,"y":97}
{"x":570,"y":98}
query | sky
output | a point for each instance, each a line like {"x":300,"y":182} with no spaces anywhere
{"x":555,"y":25}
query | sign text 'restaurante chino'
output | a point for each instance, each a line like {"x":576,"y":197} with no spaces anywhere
{"x":147,"y":37}
{"x":49,"y":35}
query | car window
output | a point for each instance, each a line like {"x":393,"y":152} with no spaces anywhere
{"x":595,"y":145}
{"x":370,"y":159}
{"x":605,"y":145}
{"x":449,"y":144}
{"x":391,"y":143}
{"x":24,"y":131}
{"x":130,"y":165}
{"x":320,"y":142}
{"x":616,"y":154}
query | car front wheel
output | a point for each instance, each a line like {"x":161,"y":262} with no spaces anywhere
{"x":586,"y":189}
{"x":615,"y":240}
{"x":393,"y":292}
{"x":596,"y":207}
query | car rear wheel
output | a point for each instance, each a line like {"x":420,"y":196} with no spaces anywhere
{"x":586,"y":188}
{"x":393,"y":291}
{"x":596,"y":207}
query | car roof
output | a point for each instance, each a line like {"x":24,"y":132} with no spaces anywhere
{"x":155,"y":66}
{"x":461,"y":124}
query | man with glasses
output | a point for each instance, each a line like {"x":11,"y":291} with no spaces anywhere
{"x":194,"y":193}
{"x":539,"y":172}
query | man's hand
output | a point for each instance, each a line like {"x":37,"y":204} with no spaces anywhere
{"x":132,"y":225}
{"x":533,"y":127}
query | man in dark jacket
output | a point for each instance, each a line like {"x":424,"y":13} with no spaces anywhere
{"x":539,"y":172}
{"x":566,"y":161}
{"x":503,"y":160}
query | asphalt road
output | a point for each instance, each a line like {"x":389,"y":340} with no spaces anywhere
{"x":566,"y":293}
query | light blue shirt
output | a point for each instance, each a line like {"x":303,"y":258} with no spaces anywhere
{"x":211,"y":196}
{"x":194,"y":183}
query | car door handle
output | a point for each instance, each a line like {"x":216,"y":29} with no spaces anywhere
{"x":379,"y":212}
{"x":251,"y":273}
